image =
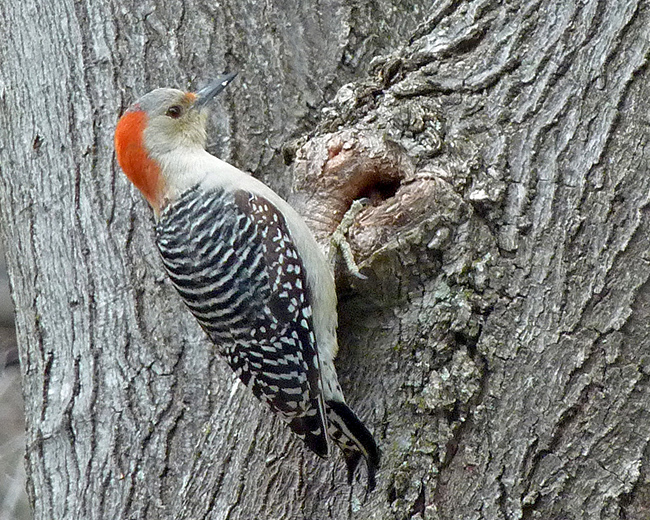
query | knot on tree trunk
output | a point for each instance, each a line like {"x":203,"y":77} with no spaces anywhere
{"x":412,"y":212}
{"x":429,"y":192}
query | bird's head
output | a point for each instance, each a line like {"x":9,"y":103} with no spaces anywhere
{"x":161,"y":122}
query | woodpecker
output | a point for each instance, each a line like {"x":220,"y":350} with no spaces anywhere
{"x":247,"y":267}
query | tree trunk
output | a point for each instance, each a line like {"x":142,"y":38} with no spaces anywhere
{"x":498,"y":348}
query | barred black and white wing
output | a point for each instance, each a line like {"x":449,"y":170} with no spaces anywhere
{"x":232,"y":259}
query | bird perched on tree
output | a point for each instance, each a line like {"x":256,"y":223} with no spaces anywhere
{"x":247,"y":267}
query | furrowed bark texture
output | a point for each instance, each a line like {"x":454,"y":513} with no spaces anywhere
{"x":498,"y":348}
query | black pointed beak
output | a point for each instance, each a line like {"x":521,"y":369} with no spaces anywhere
{"x":206,"y":94}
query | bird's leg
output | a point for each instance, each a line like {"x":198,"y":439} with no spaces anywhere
{"x":339,"y":241}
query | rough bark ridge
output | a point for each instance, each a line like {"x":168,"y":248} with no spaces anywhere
{"x":498,"y":348}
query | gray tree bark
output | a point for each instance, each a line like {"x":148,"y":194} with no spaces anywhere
{"x":498,"y":349}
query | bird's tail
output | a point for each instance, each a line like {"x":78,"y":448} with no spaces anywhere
{"x":349,"y":433}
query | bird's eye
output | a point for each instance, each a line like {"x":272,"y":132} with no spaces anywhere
{"x":174,"y":111}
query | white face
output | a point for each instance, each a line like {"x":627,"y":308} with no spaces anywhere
{"x":173,"y":122}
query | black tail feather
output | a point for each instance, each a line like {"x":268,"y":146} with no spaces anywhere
{"x":354,"y":439}
{"x":311,"y":431}
{"x":352,"y":461}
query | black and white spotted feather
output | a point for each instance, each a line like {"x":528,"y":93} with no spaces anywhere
{"x":244,"y":283}
{"x":233,"y":261}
